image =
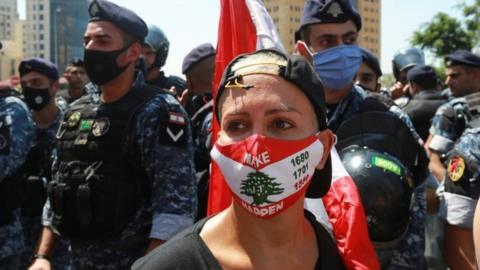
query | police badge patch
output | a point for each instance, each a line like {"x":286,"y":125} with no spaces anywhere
{"x":73,"y":119}
{"x":456,"y":168}
{"x":100,"y":127}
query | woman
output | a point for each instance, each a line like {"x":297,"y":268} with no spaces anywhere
{"x":273,"y":150}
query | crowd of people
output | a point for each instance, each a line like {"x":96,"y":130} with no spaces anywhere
{"x":107,"y":165}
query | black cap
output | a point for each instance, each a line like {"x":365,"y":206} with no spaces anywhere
{"x":328,"y":11}
{"x":125,"y":19}
{"x":39,"y":65}
{"x":299,"y":72}
{"x":421,"y":73}
{"x":196,"y":55}
{"x":372,"y":61}
{"x":462,"y":57}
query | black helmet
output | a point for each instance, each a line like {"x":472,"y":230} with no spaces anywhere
{"x":385,"y":189}
{"x":407,"y":58}
{"x":157,"y":40}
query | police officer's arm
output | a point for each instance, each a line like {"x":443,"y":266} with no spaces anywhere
{"x":443,"y":134}
{"x":43,"y":251}
{"x":436,"y":166}
{"x":476,"y":233}
{"x":166,"y":150}
{"x":16,"y":135}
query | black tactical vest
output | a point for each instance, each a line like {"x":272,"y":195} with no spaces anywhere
{"x":35,"y":173}
{"x":99,"y":183}
{"x":421,"y":111}
{"x":10,"y":187}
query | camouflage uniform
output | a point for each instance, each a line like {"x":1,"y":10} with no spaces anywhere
{"x":64,"y":95}
{"x":449,"y":123}
{"x":169,"y":166}
{"x":16,"y":136}
{"x":461,"y":188}
{"x":410,"y":250}
{"x":451,"y":134}
{"x":32,"y":224}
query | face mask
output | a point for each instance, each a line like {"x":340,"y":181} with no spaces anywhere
{"x":101,"y":66}
{"x":337,"y":66}
{"x":266,"y":176}
{"x":36,"y":98}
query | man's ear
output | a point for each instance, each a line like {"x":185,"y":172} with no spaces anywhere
{"x":134,"y":52}
{"x":302,"y":49}
{"x":328,"y":139}
{"x":378,"y":87}
{"x":55,"y":87}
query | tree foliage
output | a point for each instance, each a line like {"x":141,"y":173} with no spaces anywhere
{"x":472,"y":20}
{"x":443,"y":35}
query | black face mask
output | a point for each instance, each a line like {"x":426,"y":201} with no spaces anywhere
{"x":101,"y":66}
{"x":36,"y":98}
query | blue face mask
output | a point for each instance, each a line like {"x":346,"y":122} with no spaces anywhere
{"x":337,"y":66}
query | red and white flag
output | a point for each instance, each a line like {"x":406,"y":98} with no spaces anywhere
{"x":347,"y":216}
{"x":245,"y":26}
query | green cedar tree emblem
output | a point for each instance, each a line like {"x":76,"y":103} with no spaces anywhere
{"x":259,"y":186}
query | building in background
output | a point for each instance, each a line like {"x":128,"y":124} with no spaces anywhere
{"x":8,"y":17}
{"x":286,"y":16}
{"x":12,"y":37}
{"x":54,"y":29}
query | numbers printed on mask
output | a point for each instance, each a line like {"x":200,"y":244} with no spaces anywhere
{"x":300,"y":165}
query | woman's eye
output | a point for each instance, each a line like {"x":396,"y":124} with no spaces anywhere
{"x":282,"y":124}
{"x":235,"y":126}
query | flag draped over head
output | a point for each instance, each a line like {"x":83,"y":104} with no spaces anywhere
{"x":245,"y":26}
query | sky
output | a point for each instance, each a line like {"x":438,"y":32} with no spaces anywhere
{"x":188,"y":23}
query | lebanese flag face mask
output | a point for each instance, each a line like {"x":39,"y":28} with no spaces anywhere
{"x":266,"y":175}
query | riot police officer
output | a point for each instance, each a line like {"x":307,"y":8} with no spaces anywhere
{"x":16,"y":136}
{"x":39,"y":80}
{"x":155,"y":52}
{"x":404,"y":60}
{"x":423,"y":99}
{"x":199,"y":66}
{"x":448,"y":125}
{"x":369,"y":72}
{"x":327,"y":36}
{"x":124,"y":179}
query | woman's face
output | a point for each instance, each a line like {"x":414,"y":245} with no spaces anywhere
{"x":273,"y":108}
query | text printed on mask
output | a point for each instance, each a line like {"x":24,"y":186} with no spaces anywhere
{"x":257,"y":160}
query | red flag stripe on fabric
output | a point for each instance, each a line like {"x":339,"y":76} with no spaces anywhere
{"x":347,"y":216}
{"x":236,"y":35}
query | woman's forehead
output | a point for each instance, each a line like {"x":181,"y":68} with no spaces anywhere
{"x":267,"y":90}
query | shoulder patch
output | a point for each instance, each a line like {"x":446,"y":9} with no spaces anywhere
{"x":175,"y":132}
{"x":456,"y":168}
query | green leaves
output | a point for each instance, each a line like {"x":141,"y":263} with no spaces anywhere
{"x":443,"y":35}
